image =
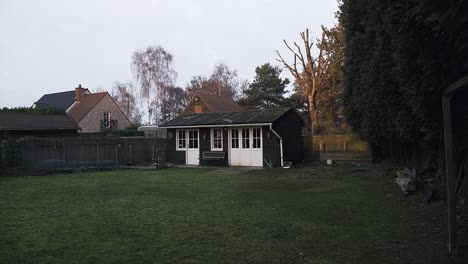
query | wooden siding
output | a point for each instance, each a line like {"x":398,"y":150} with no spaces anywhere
{"x":289,"y":127}
{"x":270,"y":147}
{"x":174,"y":156}
{"x":205,"y":145}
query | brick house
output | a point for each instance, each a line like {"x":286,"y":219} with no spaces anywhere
{"x":93,"y":112}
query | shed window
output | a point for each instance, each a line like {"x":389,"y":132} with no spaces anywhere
{"x":245,"y":138}
{"x":181,"y":141}
{"x":235,"y":138}
{"x":257,"y":138}
{"x":217,"y":139}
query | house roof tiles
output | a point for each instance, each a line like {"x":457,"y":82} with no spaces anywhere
{"x":219,"y":103}
{"x":84,"y":105}
{"x":60,"y":100}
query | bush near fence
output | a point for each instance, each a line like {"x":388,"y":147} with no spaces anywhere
{"x":56,"y":153}
{"x":351,"y":147}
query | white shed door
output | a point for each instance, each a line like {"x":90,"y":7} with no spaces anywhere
{"x":245,"y":146}
{"x":193,"y":152}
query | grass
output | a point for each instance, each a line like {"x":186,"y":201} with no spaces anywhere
{"x":303,"y":215}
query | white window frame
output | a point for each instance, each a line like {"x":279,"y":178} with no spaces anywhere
{"x":213,"y":138}
{"x":245,"y":142}
{"x":259,"y":138}
{"x":237,"y":139}
{"x":192,"y":140}
{"x":177,"y":139}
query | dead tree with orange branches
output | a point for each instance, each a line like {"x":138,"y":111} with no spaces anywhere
{"x":307,"y":70}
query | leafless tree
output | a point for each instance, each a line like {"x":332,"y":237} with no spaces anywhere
{"x":223,"y":82}
{"x":174,"y":100}
{"x":307,"y":70}
{"x":124,"y":95}
{"x":153,"y":69}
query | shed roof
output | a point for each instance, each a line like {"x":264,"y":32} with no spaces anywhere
{"x":34,"y":122}
{"x":60,"y":100}
{"x":263,"y":116}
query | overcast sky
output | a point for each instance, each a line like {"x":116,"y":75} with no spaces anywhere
{"x":52,"y":46}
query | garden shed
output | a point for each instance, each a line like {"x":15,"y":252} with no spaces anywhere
{"x":259,"y":138}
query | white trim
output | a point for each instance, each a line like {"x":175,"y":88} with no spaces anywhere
{"x":281,"y":145}
{"x":260,"y":137}
{"x":212,"y":139}
{"x":225,"y":125}
{"x":177,"y":140}
{"x":189,"y":158}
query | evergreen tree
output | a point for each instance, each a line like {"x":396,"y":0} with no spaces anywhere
{"x":268,"y":88}
{"x":400,"y":55}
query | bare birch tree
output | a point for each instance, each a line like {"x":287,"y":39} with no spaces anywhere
{"x":307,"y":70}
{"x":124,"y":95}
{"x":222,"y":82}
{"x":153,"y":69}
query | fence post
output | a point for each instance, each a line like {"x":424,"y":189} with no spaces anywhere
{"x":3,"y":160}
{"x":64,"y":152}
{"x":97,"y":150}
{"x":451,"y":174}
{"x":130,"y":154}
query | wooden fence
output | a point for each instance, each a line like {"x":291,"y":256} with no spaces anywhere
{"x":341,"y":147}
{"x":54,"y":153}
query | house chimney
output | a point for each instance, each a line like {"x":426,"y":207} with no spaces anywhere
{"x":78,"y":92}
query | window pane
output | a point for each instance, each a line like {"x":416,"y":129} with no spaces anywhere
{"x":235,"y":138}
{"x":193,"y":138}
{"x":245,"y":138}
{"x":217,"y":139}
{"x":181,"y":139}
{"x":256,"y":141}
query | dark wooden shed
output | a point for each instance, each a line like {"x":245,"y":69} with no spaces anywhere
{"x":267,"y":137}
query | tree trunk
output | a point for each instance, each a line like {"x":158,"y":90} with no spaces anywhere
{"x":312,"y":113}
{"x":149,"y":111}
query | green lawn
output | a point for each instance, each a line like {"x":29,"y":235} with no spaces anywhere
{"x":304,"y":215}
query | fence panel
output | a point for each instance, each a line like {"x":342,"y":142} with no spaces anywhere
{"x":54,"y":153}
{"x":347,"y":145}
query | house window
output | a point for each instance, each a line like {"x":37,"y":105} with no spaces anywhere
{"x":198,"y":109}
{"x":180,"y":140}
{"x":193,"y":139}
{"x":106,"y":120}
{"x":245,"y":138}
{"x":256,"y":138}
{"x":235,"y":138}
{"x":216,"y":139}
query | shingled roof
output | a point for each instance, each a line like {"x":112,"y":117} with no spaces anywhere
{"x":84,"y":105}
{"x":34,"y":122}
{"x":218,"y":103}
{"x":264,"y":116}
{"x":60,"y":100}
